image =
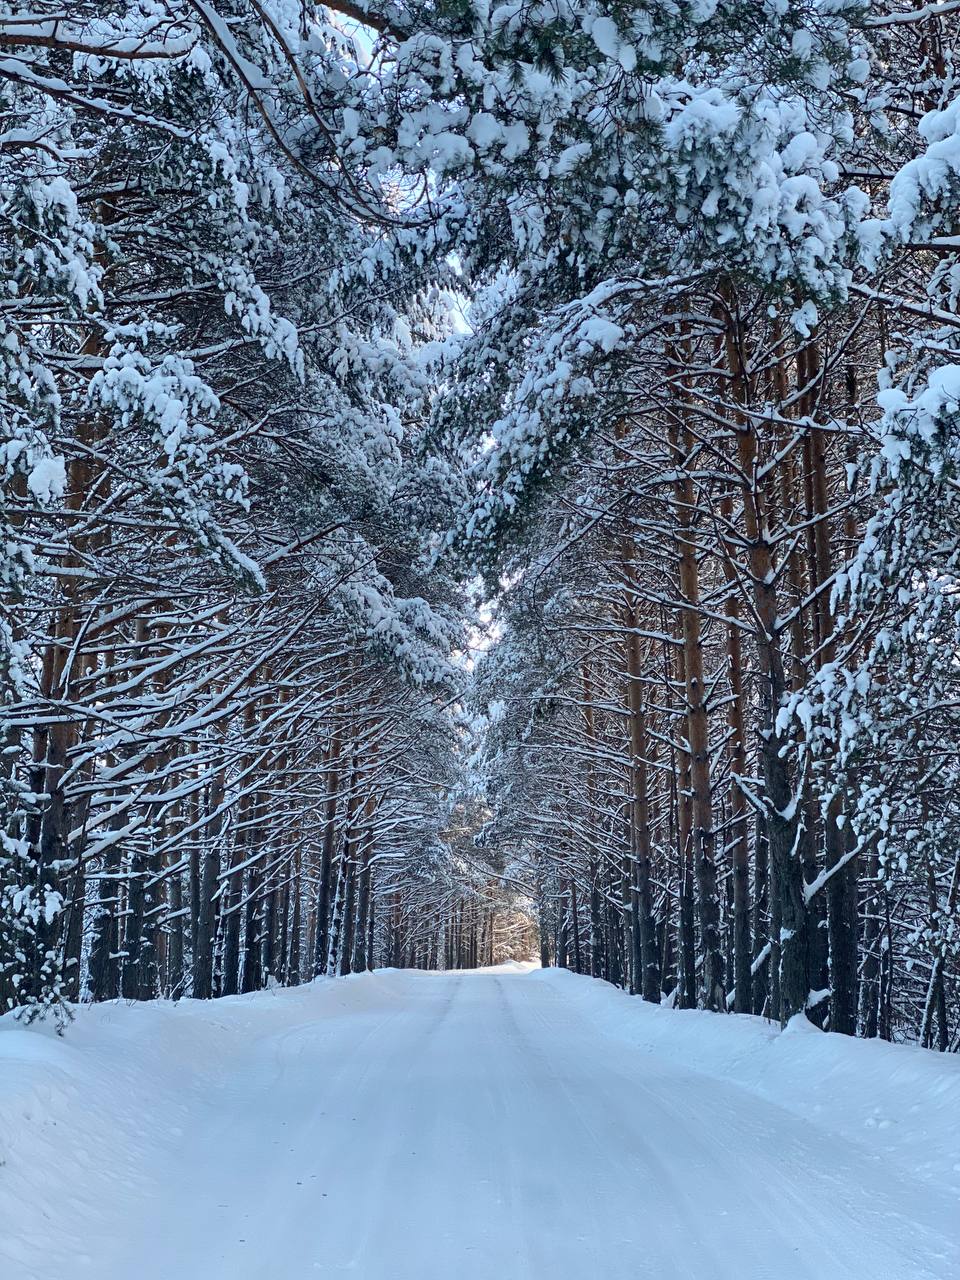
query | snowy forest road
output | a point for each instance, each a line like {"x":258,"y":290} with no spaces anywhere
{"x":414,"y":1126}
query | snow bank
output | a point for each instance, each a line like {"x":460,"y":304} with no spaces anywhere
{"x":900,"y":1102}
{"x":81,"y":1115}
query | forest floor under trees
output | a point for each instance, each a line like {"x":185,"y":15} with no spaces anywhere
{"x":506,"y":1123}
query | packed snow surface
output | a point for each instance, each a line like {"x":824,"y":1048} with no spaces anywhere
{"x":507,"y":1124}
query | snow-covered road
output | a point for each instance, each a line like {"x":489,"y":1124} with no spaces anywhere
{"x":411,"y":1126}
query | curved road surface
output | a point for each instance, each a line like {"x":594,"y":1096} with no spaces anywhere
{"x":476,"y":1127}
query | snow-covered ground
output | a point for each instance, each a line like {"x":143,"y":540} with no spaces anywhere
{"x":500,"y":1125}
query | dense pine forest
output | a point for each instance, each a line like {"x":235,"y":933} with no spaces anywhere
{"x":482,"y":481}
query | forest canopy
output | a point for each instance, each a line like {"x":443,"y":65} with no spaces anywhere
{"x":470,"y":470}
